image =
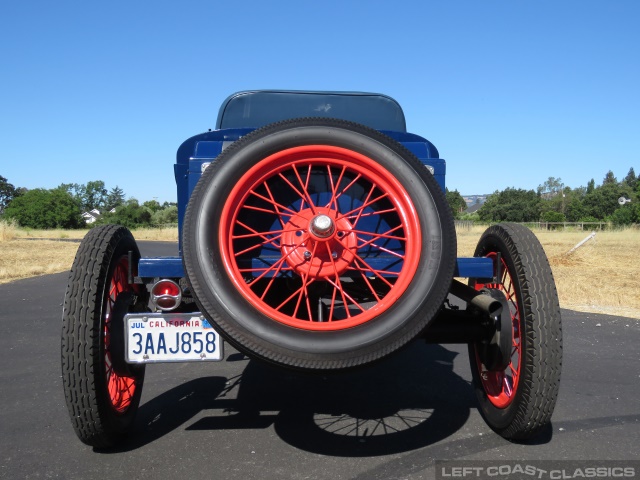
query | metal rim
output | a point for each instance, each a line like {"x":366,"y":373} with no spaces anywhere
{"x":501,"y":387}
{"x":318,"y":202}
{"x":121,"y":389}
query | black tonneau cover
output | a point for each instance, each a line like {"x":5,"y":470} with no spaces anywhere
{"x":257,"y":108}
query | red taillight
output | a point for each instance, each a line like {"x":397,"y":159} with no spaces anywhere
{"x":166,"y":295}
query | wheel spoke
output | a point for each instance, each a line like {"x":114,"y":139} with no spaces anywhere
{"x":274,"y":203}
{"x":304,"y":196}
{"x":345,"y":296}
{"x":378,"y":273}
{"x":352,"y":213}
{"x":338,"y":286}
{"x":293,"y":295}
{"x":377,"y":212}
{"x":333,"y":304}
{"x":355,"y":222}
{"x":384,"y":235}
{"x":334,"y":196}
{"x":385,"y":250}
{"x":345,"y":189}
{"x":257,"y":234}
{"x":267,"y":241}
{"x":273,"y":277}
{"x":259,"y":209}
{"x":368,"y":283}
{"x":262,"y":269}
{"x":304,"y":290}
{"x":280,"y":261}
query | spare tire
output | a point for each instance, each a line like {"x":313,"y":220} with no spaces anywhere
{"x":318,"y":244}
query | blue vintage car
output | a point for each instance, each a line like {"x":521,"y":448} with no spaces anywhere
{"x":315,"y":235}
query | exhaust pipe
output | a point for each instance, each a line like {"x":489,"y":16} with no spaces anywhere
{"x":482,"y":301}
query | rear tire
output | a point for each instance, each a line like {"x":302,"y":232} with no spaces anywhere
{"x":102,"y":403}
{"x":518,"y":402}
{"x":309,"y":205}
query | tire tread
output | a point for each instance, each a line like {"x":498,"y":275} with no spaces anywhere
{"x":540,"y":380}
{"x":80,"y":345}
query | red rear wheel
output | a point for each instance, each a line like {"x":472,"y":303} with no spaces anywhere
{"x":518,"y":401}
{"x":101,"y":391}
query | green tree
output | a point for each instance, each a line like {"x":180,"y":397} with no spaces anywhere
{"x":152,"y":205}
{"x":74,"y":189}
{"x":130,"y":215}
{"x":603,"y":201}
{"x":115,"y":198}
{"x":511,"y":205}
{"x":456,"y":202}
{"x":609,"y":179}
{"x":631,"y":179}
{"x":552,"y":187}
{"x":551,"y":216}
{"x":7,"y":193}
{"x":623,"y":216}
{"x":591,"y":186}
{"x":40,"y":208}
{"x":94,"y":195}
{"x":165,"y":216}
{"x":89,"y":196}
{"x":574,"y":209}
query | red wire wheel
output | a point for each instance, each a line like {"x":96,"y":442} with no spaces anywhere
{"x":501,"y":386}
{"x":318,"y":243}
{"x":102,"y":392}
{"x":121,"y":388}
{"x":518,"y":402}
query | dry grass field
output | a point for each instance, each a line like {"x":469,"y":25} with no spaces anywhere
{"x":27,"y":253}
{"x":158,"y":234}
{"x":603,"y":276}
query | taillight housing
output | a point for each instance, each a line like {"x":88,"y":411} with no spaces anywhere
{"x":166,"y":295}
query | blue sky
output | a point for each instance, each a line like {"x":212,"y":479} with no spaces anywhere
{"x":511,"y":92}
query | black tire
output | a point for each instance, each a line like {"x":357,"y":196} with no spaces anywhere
{"x":518,"y":403}
{"x":97,"y":298}
{"x":255,"y":332}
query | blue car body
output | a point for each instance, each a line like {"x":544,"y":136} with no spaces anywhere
{"x":243,"y":112}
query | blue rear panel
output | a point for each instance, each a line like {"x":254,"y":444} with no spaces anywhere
{"x":199,"y":151}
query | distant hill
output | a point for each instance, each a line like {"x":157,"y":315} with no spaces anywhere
{"x":471,"y":200}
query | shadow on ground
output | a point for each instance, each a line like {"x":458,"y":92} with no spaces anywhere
{"x":407,"y":402}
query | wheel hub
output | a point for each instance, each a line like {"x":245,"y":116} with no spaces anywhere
{"x":496,"y":353}
{"x":321,"y":227}
{"x":319,"y":243}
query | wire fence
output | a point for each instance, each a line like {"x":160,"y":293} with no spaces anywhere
{"x":573,"y":226}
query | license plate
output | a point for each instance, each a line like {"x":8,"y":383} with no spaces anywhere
{"x":164,"y":337}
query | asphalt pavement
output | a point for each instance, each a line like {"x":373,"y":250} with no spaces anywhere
{"x":241,"y":419}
